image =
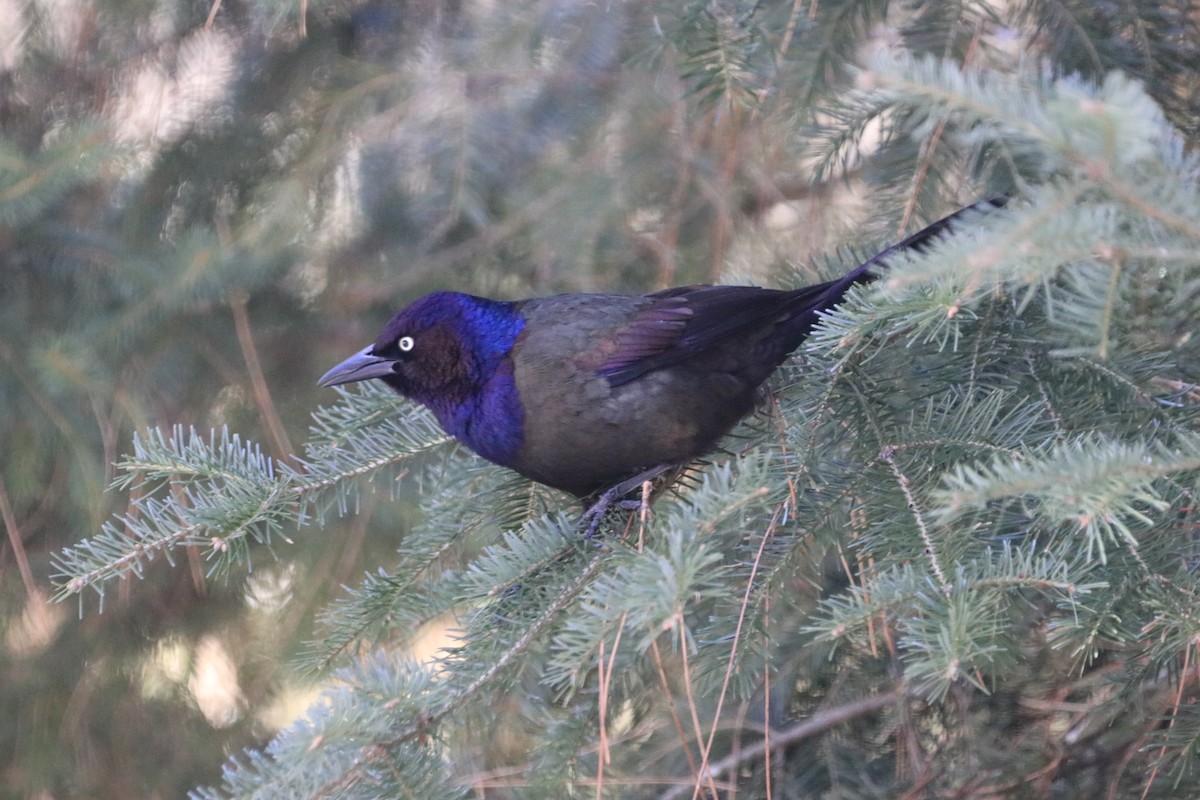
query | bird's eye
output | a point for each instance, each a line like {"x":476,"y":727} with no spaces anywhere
{"x":405,"y":343}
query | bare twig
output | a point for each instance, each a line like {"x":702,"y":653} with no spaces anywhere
{"x":704,"y":776}
{"x":18,"y":546}
{"x":813,"y":726}
{"x":737,"y":635}
{"x":262,"y":395}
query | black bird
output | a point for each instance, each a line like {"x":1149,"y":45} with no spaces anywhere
{"x":583,"y":392}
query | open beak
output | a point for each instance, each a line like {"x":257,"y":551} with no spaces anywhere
{"x":361,"y":366}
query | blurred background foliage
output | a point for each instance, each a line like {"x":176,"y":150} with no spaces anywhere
{"x":203,"y":205}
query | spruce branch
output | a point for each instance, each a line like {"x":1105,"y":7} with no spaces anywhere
{"x":887,"y":456}
{"x":30,"y":184}
{"x":823,"y":720}
{"x":216,"y":493}
{"x":1106,"y":489}
{"x":461,"y":500}
{"x":382,"y":754}
{"x":947,"y":636}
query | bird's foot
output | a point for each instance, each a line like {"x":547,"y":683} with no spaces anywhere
{"x":604,"y":503}
{"x":612,"y":498}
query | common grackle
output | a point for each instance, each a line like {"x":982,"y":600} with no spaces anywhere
{"x":585,"y":391}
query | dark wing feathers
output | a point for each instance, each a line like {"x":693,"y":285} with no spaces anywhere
{"x":652,"y":331}
{"x":724,"y":311}
{"x":686,"y":320}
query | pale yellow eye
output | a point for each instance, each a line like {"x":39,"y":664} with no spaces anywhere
{"x":405,"y":343}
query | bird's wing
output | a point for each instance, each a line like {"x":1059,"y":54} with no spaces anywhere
{"x":680,"y":322}
{"x":650,"y":332}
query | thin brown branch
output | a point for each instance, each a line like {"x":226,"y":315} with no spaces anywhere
{"x":766,"y":706}
{"x":813,"y":726}
{"x":656,"y":656}
{"x":768,"y":534}
{"x":262,"y":395}
{"x":704,"y":776}
{"x":604,"y":674}
{"x":18,"y":546}
{"x":929,"y":151}
{"x":1176,"y":704}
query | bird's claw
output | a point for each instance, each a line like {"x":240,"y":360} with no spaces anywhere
{"x":612,"y":497}
{"x":596,"y":512}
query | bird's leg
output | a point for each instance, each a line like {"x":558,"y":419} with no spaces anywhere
{"x":613,"y":497}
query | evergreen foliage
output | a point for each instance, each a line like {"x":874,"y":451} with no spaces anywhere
{"x":954,"y":556}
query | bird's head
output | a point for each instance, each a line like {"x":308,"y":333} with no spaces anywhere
{"x":440,"y":349}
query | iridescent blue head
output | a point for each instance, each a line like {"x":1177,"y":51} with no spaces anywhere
{"x":450,"y":352}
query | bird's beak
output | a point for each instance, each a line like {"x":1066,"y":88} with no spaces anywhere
{"x":361,"y":366}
